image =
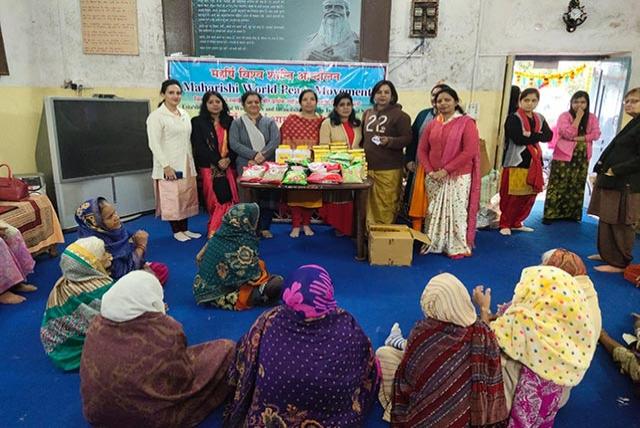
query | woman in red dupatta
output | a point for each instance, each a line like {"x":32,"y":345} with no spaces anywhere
{"x":214,"y":160}
{"x":302,"y":130}
{"x":449,"y":152}
{"x":522,"y":164}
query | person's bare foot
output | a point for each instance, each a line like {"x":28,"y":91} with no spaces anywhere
{"x":595,"y":257}
{"x":608,"y":269}
{"x":307,"y":230}
{"x":295,"y":232}
{"x":25,"y":288}
{"x":9,"y":298}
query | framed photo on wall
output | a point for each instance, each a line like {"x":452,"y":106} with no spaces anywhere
{"x":4,"y":67}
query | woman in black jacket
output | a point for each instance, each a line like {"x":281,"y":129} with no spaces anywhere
{"x":616,"y":196}
{"x":213,"y":157}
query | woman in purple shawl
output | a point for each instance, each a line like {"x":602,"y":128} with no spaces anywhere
{"x":304,"y":363}
{"x":97,"y":217}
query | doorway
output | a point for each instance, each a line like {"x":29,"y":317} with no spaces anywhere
{"x":557,"y":78}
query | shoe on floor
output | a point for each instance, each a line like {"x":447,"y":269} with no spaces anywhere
{"x":192,"y":235}
{"x":266,"y":234}
{"x":523,"y":228}
{"x":180,"y":236}
{"x":595,"y":257}
{"x":505,"y":231}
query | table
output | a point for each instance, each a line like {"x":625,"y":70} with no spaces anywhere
{"x":361,"y":191}
{"x":37,"y":221}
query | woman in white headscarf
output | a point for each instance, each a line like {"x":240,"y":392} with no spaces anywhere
{"x":137,"y":369}
{"x":449,"y":354}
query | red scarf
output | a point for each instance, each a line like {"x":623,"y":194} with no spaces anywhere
{"x":534,"y":176}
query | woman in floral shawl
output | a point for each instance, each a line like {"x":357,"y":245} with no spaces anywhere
{"x":306,"y":363}
{"x":231,"y":275}
{"x":97,"y":217}
{"x":75,"y":300}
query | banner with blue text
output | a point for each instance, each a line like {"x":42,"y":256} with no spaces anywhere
{"x":279,"y":82}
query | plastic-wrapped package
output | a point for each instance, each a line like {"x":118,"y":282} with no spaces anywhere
{"x":325,"y":178}
{"x":317,"y":167}
{"x":274,"y":174}
{"x":353,"y":173}
{"x":296,"y":175}
{"x":253,"y":173}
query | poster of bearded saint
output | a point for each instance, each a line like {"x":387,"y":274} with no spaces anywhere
{"x":334,"y":40}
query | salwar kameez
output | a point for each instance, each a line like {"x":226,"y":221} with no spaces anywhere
{"x":384,"y":196}
{"x":15,"y":260}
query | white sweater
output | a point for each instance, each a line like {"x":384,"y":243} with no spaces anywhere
{"x":170,"y":142}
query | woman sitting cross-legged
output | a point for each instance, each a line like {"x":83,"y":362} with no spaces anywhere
{"x":137,"y":370}
{"x":306,"y":363}
{"x":97,"y":217}
{"x":15,"y":264}
{"x":231,"y":274}
{"x":448,"y":372}
{"x":548,"y":338}
{"x":75,"y":300}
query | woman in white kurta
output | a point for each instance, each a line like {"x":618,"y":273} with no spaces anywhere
{"x":174,"y":173}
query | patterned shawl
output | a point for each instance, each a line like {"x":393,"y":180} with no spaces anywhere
{"x":72,"y":304}
{"x":565,"y":260}
{"x":548,"y":326}
{"x":450,"y":374}
{"x":90,"y":223}
{"x":303,"y":373}
{"x":231,"y":257}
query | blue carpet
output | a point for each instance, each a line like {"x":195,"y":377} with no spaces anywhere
{"x":35,"y":394}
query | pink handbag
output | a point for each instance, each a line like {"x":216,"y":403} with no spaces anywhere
{"x":12,"y":189}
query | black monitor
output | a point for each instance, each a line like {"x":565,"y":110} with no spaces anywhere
{"x":101,"y":137}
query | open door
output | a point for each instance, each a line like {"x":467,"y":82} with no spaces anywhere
{"x":610,"y":83}
{"x":504,"y":110}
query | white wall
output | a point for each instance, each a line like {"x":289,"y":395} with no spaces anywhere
{"x":43,"y":42}
{"x":507,"y":27}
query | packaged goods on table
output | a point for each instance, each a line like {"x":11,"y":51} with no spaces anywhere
{"x":297,"y":175}
{"x":274,"y":174}
{"x":253,"y":173}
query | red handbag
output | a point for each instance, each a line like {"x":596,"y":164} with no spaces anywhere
{"x":12,"y":189}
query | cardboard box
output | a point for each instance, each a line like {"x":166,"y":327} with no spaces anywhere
{"x":392,"y":244}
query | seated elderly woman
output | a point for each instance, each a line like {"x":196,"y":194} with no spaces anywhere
{"x":137,"y":369}
{"x":75,"y":300}
{"x":315,"y":366}
{"x":97,"y":217}
{"x":548,"y":336}
{"x":231,"y":274}
{"x":627,"y":358}
{"x":15,"y":264}
{"x":449,"y":374}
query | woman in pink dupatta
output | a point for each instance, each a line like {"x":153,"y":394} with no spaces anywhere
{"x":212,"y":157}
{"x":450,"y":155}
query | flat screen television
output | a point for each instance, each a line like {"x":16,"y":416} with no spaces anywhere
{"x":100,"y":137}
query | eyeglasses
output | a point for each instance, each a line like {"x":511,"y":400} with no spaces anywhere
{"x":631,"y":101}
